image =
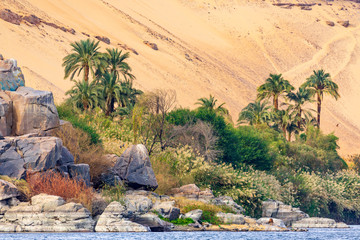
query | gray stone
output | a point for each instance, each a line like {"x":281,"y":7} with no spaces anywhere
{"x":271,"y":221}
{"x":277,"y":209}
{"x":137,"y":204}
{"x":167,"y":210}
{"x":81,"y":172}
{"x":33,"y":111}
{"x":5,"y":114}
{"x":229,"y":202}
{"x":230,"y":218}
{"x":112,"y":220}
{"x":315,"y":222}
{"x":134,"y":168}
{"x":11,"y":76}
{"x":194,"y":214}
{"x":191,"y":191}
{"x":8,"y":190}
{"x":153,"y":222}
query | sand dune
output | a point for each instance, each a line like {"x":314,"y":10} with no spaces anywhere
{"x":223,"y":47}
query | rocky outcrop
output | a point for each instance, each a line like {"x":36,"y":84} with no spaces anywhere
{"x":167,"y":210}
{"x":103,"y":39}
{"x":229,"y":202}
{"x":194,"y":214}
{"x":330,"y":23}
{"x":230,"y":218}
{"x":344,"y":23}
{"x":271,"y":221}
{"x":9,"y":16}
{"x":11,"y":76}
{"x":38,"y":154}
{"x":151,"y":45}
{"x":113,"y":220}
{"x":277,"y":209}
{"x":8,"y":196}
{"x":134,"y":167}
{"x":137,"y":204}
{"x":152,"y":221}
{"x":191,"y":191}
{"x":315,"y":222}
{"x":46,"y":213}
{"x":33,"y":111}
{"x":5,"y":114}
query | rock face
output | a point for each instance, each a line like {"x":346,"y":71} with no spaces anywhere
{"x":33,"y":111}
{"x":11,"y":76}
{"x":194,"y":214}
{"x":9,"y":16}
{"x":316,"y":222}
{"x":168,"y":210}
{"x":271,"y":221}
{"x":112,"y":220}
{"x":153,"y":222}
{"x":134,"y":167}
{"x":39,"y":154}
{"x":277,"y":209}
{"x":5,"y":114}
{"x":230,"y":218}
{"x":191,"y":191}
{"x":8,"y":196}
{"x":46,"y":213}
{"x":227,"y":201}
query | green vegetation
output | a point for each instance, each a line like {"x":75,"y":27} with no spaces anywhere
{"x":277,"y":151}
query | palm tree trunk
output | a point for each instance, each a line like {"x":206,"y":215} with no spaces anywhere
{"x":86,"y":73}
{"x":318,"y":109}
{"x":289,"y":136}
{"x":299,"y":122}
{"x":276,"y":103}
{"x":284,"y":132}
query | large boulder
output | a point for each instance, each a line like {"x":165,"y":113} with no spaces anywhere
{"x":167,"y":210}
{"x":277,"y":209}
{"x":8,"y":196}
{"x":33,"y":111}
{"x":230,"y":218}
{"x":46,"y":213}
{"x":5,"y":114}
{"x":137,"y":204}
{"x":194,"y":214}
{"x":112,"y":220}
{"x":134,"y":167}
{"x":152,"y":221}
{"x":11,"y":76}
{"x":271,"y":221}
{"x":315,"y":222}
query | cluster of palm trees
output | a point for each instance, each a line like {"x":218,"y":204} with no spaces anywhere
{"x":292,"y":116}
{"x":111,"y":87}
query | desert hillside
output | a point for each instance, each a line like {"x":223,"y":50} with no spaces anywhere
{"x":223,"y":47}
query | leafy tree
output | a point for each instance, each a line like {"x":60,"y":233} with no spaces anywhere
{"x":285,"y":120}
{"x":210,"y":104}
{"x":256,"y":113}
{"x":273,"y":88}
{"x":84,"y":95}
{"x":116,"y":63}
{"x":84,"y":56}
{"x":300,"y":98}
{"x":111,"y":91}
{"x":320,"y":83}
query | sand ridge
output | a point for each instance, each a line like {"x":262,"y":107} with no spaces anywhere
{"x":223,"y":47}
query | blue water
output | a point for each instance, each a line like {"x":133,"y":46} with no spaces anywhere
{"x":313,"y":234}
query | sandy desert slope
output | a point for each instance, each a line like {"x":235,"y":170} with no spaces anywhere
{"x":223,"y":47}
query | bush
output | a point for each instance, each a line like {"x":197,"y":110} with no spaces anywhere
{"x":55,"y":184}
{"x":114,"y":193}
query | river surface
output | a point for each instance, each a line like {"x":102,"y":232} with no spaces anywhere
{"x":313,"y":234}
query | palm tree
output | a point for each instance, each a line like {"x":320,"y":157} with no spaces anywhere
{"x":116,"y":63}
{"x":300,"y":98}
{"x":85,"y":57}
{"x":256,"y":113}
{"x":274,"y":87}
{"x":111,"y":91}
{"x":84,"y":94}
{"x":210,"y":104}
{"x":128,"y":94}
{"x":320,"y":83}
{"x":285,"y":120}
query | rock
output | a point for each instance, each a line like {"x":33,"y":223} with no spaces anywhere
{"x":1,"y":57}
{"x":103,"y":39}
{"x":81,"y":172}
{"x":229,"y":202}
{"x":167,"y":210}
{"x":11,"y":76}
{"x":5,"y":114}
{"x":112,"y":220}
{"x":151,"y":45}
{"x":191,"y":191}
{"x":33,"y":111}
{"x":8,"y":190}
{"x":46,"y":213}
{"x":330,"y":23}
{"x":277,"y":209}
{"x":134,"y":168}
{"x":271,"y":221}
{"x":32,"y":19}
{"x":138,"y":204}
{"x":230,"y":218}
{"x":315,"y":222}
{"x":344,"y":23}
{"x":153,"y":222}
{"x":194,"y":214}
{"x":9,"y":16}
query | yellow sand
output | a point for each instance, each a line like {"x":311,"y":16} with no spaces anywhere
{"x":232,"y":45}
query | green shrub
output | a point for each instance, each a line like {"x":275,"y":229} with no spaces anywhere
{"x":114,"y":193}
{"x":182,"y":221}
